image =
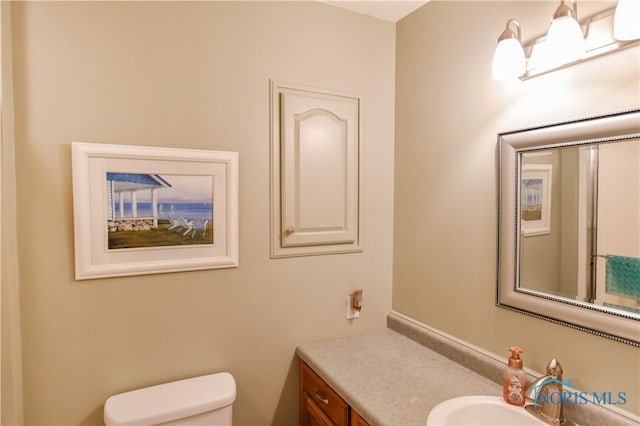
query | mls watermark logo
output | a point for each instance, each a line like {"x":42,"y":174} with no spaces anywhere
{"x":568,"y":395}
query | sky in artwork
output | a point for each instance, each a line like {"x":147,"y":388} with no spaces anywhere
{"x":184,"y":189}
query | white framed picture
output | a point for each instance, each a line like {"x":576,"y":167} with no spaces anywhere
{"x":535,"y":199}
{"x":146,"y":210}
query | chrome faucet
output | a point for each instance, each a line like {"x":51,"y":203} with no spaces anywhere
{"x":544,"y":396}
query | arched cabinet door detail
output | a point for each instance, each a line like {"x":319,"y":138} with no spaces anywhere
{"x":315,"y":171}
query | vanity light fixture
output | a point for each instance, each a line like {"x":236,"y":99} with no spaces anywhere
{"x":568,"y":41}
{"x":508,"y":60}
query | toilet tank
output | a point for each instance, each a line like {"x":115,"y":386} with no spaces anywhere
{"x":205,"y":400}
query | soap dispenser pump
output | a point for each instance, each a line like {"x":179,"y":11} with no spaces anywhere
{"x":515,"y":380}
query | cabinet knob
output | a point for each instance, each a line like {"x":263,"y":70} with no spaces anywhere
{"x":290,"y":230}
{"x":321,"y":398}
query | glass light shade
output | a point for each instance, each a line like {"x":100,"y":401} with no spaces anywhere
{"x":626,"y":21}
{"x":508,"y":60}
{"x":565,"y":42}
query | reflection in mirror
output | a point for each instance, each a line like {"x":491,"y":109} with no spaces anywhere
{"x":580,"y":223}
{"x":569,"y":224}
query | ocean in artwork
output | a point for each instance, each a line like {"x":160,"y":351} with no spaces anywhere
{"x":167,"y":210}
{"x":183,"y":203}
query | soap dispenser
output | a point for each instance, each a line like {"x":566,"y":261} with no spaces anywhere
{"x":515,"y":380}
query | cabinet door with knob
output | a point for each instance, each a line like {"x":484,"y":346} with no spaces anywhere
{"x":315,"y":171}
{"x":321,"y":405}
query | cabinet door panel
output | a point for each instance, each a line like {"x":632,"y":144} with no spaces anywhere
{"x":319,"y":169}
{"x":315,"y":172}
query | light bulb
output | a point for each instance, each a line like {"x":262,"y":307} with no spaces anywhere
{"x":508,"y":60}
{"x":626,"y":21}
{"x":564,"y":42}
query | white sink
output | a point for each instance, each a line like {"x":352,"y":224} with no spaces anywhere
{"x":480,"y":410}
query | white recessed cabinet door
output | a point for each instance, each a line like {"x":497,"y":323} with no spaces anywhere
{"x":315,"y":172}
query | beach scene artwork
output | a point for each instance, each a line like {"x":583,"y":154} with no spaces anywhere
{"x":532,"y":199}
{"x":158,"y":210}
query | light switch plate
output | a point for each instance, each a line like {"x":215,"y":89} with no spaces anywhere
{"x":351,"y":313}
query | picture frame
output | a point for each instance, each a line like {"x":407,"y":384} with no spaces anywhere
{"x":535,"y":199}
{"x":146,"y":210}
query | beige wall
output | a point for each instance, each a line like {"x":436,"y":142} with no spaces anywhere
{"x":448,"y":112}
{"x":190,"y":75}
{"x":11,"y":388}
{"x":196,"y":75}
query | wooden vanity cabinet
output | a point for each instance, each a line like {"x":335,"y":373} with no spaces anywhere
{"x":357,"y":420}
{"x":322,"y":406}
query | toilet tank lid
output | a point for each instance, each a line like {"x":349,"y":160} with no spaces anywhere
{"x":171,"y":401}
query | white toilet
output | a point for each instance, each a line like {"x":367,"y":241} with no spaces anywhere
{"x":205,"y":400}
